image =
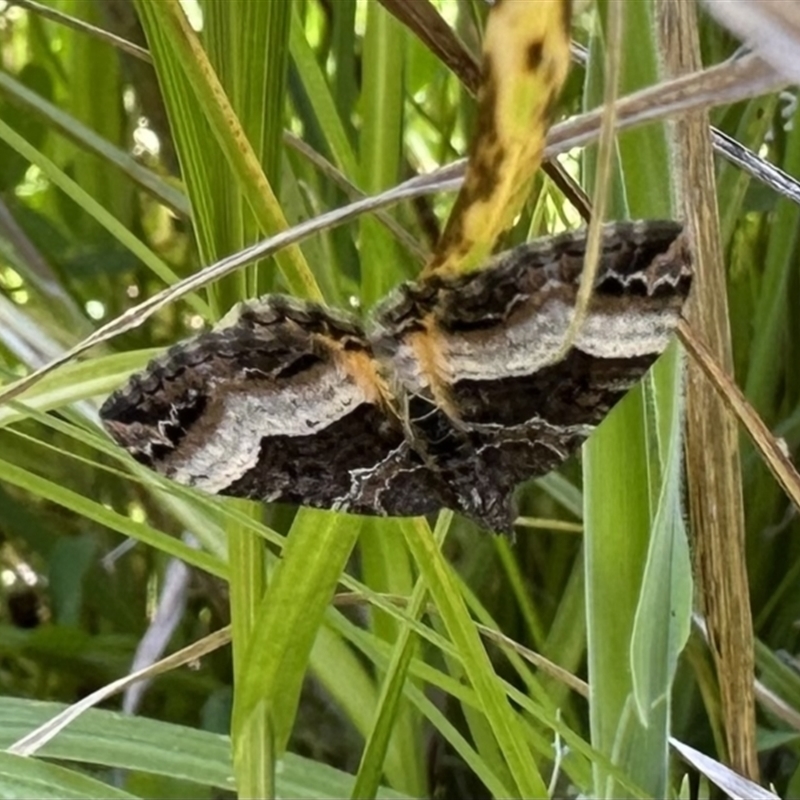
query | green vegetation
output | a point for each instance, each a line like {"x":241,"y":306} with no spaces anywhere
{"x":367,"y":657}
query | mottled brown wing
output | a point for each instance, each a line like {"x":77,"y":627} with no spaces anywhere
{"x":287,"y":403}
{"x":484,"y":350}
{"x":283,"y":404}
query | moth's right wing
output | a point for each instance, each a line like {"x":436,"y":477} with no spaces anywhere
{"x":487,"y":350}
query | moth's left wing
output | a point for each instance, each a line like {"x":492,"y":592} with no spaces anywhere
{"x":282,"y":403}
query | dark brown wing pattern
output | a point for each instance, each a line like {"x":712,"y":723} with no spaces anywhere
{"x":281,"y":403}
{"x":484,"y":349}
{"x":289,"y":401}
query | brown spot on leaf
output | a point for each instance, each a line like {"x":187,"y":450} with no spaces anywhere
{"x":464,"y":248}
{"x":534,"y":55}
{"x":483,"y":176}
{"x":566,"y":16}
{"x":453,"y":233}
{"x":486,"y":133}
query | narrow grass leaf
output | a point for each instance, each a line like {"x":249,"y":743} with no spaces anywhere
{"x":180,"y":45}
{"x":94,"y":208}
{"x":506,"y":726}
{"x":115,"y":740}
{"x":619,"y":484}
{"x":45,"y":489}
{"x":377,"y":743}
{"x":29,"y":779}
{"x":89,"y":140}
{"x":292,"y":610}
{"x":663,"y":616}
{"x":322,"y":102}
{"x":380,"y":145}
{"x":77,"y":381}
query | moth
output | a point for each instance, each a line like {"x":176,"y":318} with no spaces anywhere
{"x":452,"y":393}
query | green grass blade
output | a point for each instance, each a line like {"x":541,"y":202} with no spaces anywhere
{"x":88,"y":139}
{"x":86,"y":507}
{"x":322,"y":101}
{"x":622,"y":482}
{"x":291,"y":611}
{"x":663,"y":616}
{"x":77,"y":381}
{"x":95,"y":209}
{"x":377,"y":744}
{"x":381,"y":141}
{"x":771,"y":314}
{"x":183,"y":64}
{"x":505,"y":725}
{"x":114,"y":740}
{"x":29,"y":779}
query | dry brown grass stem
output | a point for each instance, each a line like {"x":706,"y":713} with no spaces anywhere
{"x":712,"y":450}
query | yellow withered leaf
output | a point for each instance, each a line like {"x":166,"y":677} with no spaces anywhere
{"x":525,"y":62}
